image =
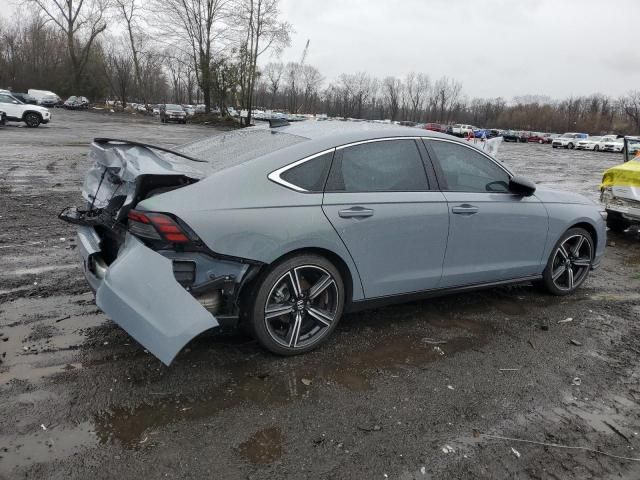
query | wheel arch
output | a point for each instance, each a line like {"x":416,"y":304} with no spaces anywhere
{"x":592,"y":231}
{"x":348,"y":277}
{"x":27,"y":112}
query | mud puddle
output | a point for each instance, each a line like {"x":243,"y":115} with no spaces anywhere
{"x":263,"y":447}
{"x":354,"y":370}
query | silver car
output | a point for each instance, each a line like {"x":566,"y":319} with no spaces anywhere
{"x":287,"y":228}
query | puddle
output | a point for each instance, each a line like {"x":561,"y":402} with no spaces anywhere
{"x":44,"y":269}
{"x":351,"y":369}
{"x":263,"y":447}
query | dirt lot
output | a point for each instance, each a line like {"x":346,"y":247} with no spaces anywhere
{"x":80,"y":399}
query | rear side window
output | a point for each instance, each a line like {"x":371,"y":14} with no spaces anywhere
{"x":466,"y":170}
{"x":386,"y":166}
{"x":310,"y":175}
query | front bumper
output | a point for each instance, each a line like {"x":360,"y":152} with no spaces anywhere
{"x":140,"y":293}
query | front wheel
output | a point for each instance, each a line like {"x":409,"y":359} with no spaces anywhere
{"x":571,"y":146}
{"x":570,"y":262}
{"x":596,"y":148}
{"x":32,"y":120}
{"x":297,"y":304}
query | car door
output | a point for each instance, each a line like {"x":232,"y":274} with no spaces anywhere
{"x":10,"y":106}
{"x":378,"y":199}
{"x":494,"y":235}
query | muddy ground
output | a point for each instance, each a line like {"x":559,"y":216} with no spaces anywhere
{"x":80,"y":399}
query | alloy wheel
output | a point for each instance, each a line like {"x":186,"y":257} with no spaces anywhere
{"x":301,"y":306}
{"x":571,"y":262}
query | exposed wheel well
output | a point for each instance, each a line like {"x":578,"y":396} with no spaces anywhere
{"x":592,"y":231}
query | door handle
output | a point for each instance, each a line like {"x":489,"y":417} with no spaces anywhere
{"x":356,"y":212}
{"x":465,"y":209}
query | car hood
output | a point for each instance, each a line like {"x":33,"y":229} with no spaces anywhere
{"x":549,"y":195}
{"x":39,"y":109}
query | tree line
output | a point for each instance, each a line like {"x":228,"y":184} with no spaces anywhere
{"x":221,"y":53}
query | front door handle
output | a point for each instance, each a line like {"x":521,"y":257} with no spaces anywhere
{"x":356,"y":212}
{"x":465,"y":209}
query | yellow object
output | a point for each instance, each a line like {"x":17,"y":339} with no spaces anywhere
{"x":624,"y":175}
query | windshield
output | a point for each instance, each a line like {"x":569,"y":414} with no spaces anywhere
{"x":71,"y":99}
{"x":170,"y":106}
{"x":567,"y":135}
{"x":595,"y":139}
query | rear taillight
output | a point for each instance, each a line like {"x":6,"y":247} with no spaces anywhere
{"x":156,"y":226}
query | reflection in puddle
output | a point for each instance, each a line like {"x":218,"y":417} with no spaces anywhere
{"x":263,"y":447}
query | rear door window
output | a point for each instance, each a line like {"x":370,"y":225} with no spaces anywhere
{"x":380,"y":166}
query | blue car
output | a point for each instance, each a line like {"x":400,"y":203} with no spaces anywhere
{"x":289,"y":227}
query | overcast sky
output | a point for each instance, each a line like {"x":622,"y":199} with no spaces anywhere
{"x":494,"y":47}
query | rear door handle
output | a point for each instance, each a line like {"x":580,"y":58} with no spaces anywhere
{"x":465,"y":209}
{"x":356,"y":212}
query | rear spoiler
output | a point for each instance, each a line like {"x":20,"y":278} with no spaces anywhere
{"x":100,"y":141}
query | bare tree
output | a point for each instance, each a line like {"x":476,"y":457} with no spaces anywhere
{"x":417,"y":89}
{"x":81,"y":21}
{"x":129,"y":10}
{"x":195,"y":26}
{"x":273,"y":74}
{"x":264,"y":32}
{"x":630,"y":105}
{"x":393,"y":92}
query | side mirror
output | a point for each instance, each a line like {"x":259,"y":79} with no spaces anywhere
{"x":522,"y":186}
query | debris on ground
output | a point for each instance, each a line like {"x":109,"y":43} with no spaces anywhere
{"x":566,"y":320}
{"x":575,"y":342}
{"x":576,"y":381}
{"x":432,"y":341}
{"x":439,"y":350}
{"x":509,"y":369}
{"x":306,"y":381}
{"x":448,"y":449}
{"x":515,"y":452}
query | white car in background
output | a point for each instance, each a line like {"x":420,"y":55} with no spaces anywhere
{"x":461,"y":130}
{"x":16,"y":111}
{"x":615,"y":145}
{"x":588,"y":143}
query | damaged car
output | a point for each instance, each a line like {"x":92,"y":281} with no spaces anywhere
{"x":284,"y":229}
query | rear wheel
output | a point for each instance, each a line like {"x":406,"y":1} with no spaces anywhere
{"x":297,"y":305}
{"x":571,"y":146}
{"x":570,"y":262}
{"x":32,"y":120}
{"x":596,"y":148}
{"x":616,"y":222}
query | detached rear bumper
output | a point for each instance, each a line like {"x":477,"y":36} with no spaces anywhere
{"x":140,"y":293}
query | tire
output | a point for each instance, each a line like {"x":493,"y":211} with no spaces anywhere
{"x":32,"y":120}
{"x":276,"y":287}
{"x":554,"y":146}
{"x":540,"y":142}
{"x":616,"y":222}
{"x":596,"y":148}
{"x":556,"y":278}
{"x":571,"y":146}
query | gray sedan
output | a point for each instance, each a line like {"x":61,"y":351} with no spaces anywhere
{"x":287,"y":228}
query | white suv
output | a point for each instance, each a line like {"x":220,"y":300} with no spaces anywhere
{"x":568,"y":140}
{"x":32,"y":115}
{"x":460,"y":130}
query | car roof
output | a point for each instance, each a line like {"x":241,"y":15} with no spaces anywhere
{"x":335,"y":133}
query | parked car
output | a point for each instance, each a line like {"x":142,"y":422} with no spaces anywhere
{"x":172,"y":113}
{"x":16,"y":111}
{"x":76,"y":103}
{"x":588,"y":143}
{"x":511,"y":136}
{"x":49,"y":101}
{"x":311,"y":238}
{"x":620,"y":188}
{"x":434,"y":127}
{"x":39,"y":95}
{"x":537,"y":137}
{"x":462,"y":130}
{"x":603,"y":140}
{"x":615,"y":146}
{"x":568,"y":140}
{"x":548,"y":137}
{"x":25,"y":98}
{"x":190,"y":110}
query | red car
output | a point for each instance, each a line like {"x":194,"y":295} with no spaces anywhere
{"x":536,"y":137}
{"x":434,"y":127}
